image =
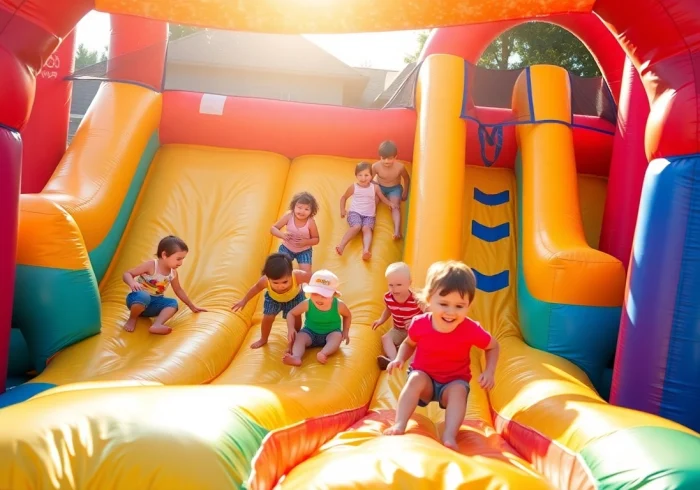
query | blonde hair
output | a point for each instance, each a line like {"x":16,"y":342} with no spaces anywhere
{"x":401,"y":267}
{"x":447,"y":277}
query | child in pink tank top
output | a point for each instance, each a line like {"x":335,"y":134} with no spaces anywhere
{"x":301,"y":233}
{"x":363,"y":209}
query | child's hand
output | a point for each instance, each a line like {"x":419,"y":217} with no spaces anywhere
{"x":394,"y":365}
{"x":375,"y":324}
{"x":135,"y":286}
{"x":346,"y":337}
{"x":196,"y":309}
{"x":238,"y":306}
{"x":291,"y":335}
{"x":342,"y":213}
{"x":486,"y":380}
{"x":404,"y":196}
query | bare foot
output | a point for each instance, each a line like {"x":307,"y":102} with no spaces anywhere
{"x":258,"y":343}
{"x":130,"y":325}
{"x":338,"y":250}
{"x":291,"y":360}
{"x":396,"y":236}
{"x":450,"y":443}
{"x":367,"y":255}
{"x":395,"y":430}
{"x":160,"y":329}
{"x":322,"y":358}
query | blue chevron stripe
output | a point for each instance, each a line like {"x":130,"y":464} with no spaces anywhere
{"x":491,"y":199}
{"x":491,"y":284}
{"x":490,"y":234}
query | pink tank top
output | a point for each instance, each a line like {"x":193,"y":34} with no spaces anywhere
{"x":363,"y":201}
{"x":303,"y":232}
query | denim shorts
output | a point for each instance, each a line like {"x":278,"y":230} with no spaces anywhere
{"x":272,"y":307}
{"x":303,"y":257}
{"x":154,"y":304}
{"x":317,"y":339}
{"x":393,"y":190}
{"x":438,"y":388}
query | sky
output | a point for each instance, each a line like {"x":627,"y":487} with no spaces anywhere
{"x":384,"y":50}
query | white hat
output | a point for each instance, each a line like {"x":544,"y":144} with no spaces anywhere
{"x":323,"y":282}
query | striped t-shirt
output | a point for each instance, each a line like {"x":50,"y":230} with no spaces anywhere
{"x":402,"y":313}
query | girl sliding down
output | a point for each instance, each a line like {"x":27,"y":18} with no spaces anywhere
{"x":363,"y":209}
{"x":149,"y":281}
{"x":283,"y":284}
{"x":301,"y":232}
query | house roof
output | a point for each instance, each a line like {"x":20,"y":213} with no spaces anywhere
{"x":258,"y":51}
{"x":394,"y":86}
{"x":379,"y":81}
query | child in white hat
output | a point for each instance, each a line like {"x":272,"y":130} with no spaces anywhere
{"x":327,"y":321}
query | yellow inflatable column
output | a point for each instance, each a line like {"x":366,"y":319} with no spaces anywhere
{"x":437,"y":187}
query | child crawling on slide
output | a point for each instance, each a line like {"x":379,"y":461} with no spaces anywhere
{"x":442,"y":340}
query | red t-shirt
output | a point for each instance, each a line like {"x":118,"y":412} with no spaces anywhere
{"x":445,"y":356}
{"x":402,"y":313}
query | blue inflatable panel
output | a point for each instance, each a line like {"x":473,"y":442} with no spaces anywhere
{"x":658,"y":370}
{"x":23,"y":392}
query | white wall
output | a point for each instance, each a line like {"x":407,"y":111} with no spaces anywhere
{"x":244,"y":83}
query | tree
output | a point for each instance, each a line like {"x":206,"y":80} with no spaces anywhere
{"x":422,"y":37}
{"x":176,"y":31}
{"x":531,"y":43}
{"x":86,"y":57}
{"x":535,"y":43}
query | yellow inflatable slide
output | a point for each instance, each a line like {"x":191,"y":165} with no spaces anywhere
{"x":199,"y":409}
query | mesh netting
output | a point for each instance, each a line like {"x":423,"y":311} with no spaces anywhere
{"x":494,"y":88}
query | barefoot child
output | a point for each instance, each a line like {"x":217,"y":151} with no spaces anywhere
{"x":301,"y":232}
{"x":283,"y":284}
{"x":363,"y":209}
{"x":323,"y":326}
{"x":442,"y":340}
{"x":149,"y":281}
{"x":401,"y":305}
{"x":389,"y":173}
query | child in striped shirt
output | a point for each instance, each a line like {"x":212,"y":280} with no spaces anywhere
{"x":401,"y":305}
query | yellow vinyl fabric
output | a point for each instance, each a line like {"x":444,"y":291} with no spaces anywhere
{"x":559,"y":265}
{"x":322,"y":16}
{"x":438,"y":165}
{"x":95,"y":173}
{"x":224,"y":232}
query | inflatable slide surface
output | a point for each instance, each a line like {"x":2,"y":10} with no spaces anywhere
{"x":124,"y":411}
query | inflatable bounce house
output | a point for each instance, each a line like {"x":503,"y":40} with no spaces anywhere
{"x":576,"y":201}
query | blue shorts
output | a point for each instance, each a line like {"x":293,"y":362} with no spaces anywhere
{"x":272,"y":307}
{"x":394,"y":190}
{"x":317,"y":339}
{"x":154,"y":304}
{"x":438,"y":388}
{"x":303,"y":257}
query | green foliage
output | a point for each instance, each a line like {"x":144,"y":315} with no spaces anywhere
{"x":86,"y":57}
{"x":532,"y":43}
{"x":422,"y":37}
{"x":536,"y":43}
{"x":176,"y":31}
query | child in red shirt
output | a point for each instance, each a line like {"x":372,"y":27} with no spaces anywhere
{"x":442,"y":340}
{"x":401,"y":305}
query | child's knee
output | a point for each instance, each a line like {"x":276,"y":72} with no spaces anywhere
{"x":366,"y":229}
{"x":138,"y":298}
{"x":418,"y":379}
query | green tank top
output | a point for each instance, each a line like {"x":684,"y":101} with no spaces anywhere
{"x":323,"y":322}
